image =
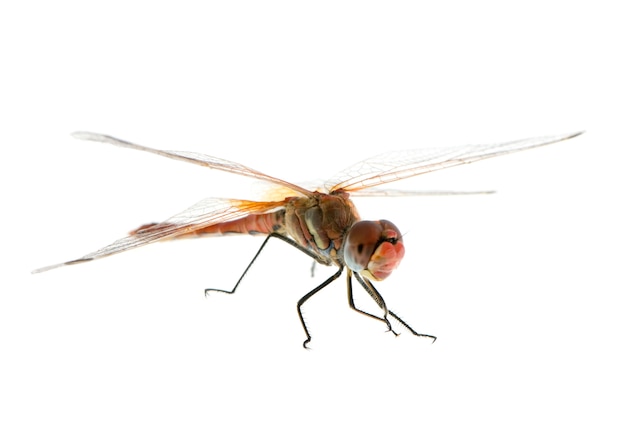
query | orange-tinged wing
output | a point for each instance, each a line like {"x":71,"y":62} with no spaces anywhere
{"x":195,"y":158}
{"x":393,"y":166}
{"x":207,"y":212}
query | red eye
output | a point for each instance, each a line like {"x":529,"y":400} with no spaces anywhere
{"x":361,"y":242}
{"x":373,"y":248}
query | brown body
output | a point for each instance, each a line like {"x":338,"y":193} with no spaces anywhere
{"x":318,"y":223}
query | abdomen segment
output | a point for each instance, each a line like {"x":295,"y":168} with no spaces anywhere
{"x":253,"y":224}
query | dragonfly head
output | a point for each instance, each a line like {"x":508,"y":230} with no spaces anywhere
{"x":373,"y":248}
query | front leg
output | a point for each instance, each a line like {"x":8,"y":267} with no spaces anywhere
{"x":374,"y":294}
{"x":369,"y":288}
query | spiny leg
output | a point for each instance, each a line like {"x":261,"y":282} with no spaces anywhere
{"x":272,"y":235}
{"x":376,"y":296}
{"x":309,"y":295}
{"x":395,"y":316}
{"x":369,"y":288}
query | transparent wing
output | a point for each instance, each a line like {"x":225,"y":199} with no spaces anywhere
{"x":208,"y":212}
{"x":195,"y":158}
{"x":373,"y":192}
{"x":398,"y":165}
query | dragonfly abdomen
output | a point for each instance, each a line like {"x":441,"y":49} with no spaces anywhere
{"x":253,"y":224}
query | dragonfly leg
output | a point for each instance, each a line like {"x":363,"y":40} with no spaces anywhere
{"x":272,"y":235}
{"x":395,"y":316}
{"x":369,"y":288}
{"x":375,"y":296}
{"x":309,"y":295}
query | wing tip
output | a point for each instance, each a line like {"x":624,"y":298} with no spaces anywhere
{"x":46,"y":268}
{"x":574,"y":134}
{"x":85,"y":135}
{"x":55,"y":266}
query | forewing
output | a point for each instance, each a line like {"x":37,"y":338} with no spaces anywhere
{"x":393,"y":166}
{"x":208,"y":212}
{"x":195,"y":158}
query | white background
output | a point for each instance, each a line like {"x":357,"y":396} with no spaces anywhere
{"x":523,"y":288}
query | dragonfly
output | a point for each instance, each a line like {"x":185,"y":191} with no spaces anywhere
{"x":323,"y":223}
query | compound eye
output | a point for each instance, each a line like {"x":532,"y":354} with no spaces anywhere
{"x":374,"y":249}
{"x":361,"y":242}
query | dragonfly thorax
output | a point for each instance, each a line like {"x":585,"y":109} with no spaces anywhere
{"x":373,"y":248}
{"x":320,"y":223}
